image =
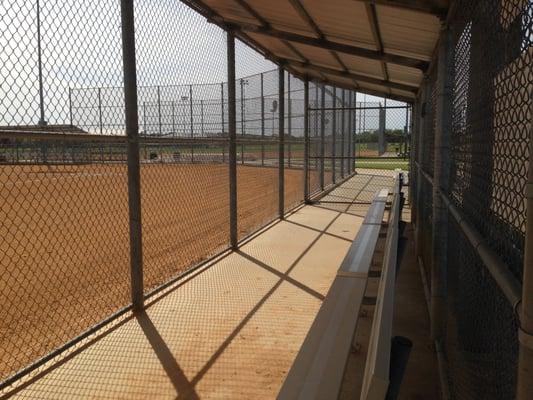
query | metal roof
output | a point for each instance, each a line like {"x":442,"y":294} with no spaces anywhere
{"x":379,"y":47}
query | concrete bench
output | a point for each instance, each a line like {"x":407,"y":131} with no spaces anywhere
{"x":318,"y":369}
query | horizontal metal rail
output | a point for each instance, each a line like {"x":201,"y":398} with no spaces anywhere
{"x":359,"y":108}
{"x":499,"y":270}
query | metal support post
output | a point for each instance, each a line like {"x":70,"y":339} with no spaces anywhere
{"x":159,"y":120}
{"x":281,"y":116}
{"x":222,"y":106}
{"x":349,"y":149}
{"x":423,"y":127}
{"x":381,"y":131}
{"x":232,"y":130}
{"x":132,"y":133}
{"x":262,"y":122}
{"x":354,"y":133}
{"x":191,"y":122}
{"x":322,"y":134}
{"x":343,"y":133}
{"x":173,"y":116}
{"x":242,"y":119}
{"x":100,"y":124}
{"x":202,"y":130}
{"x":306,"y":141}
{"x":441,"y":178}
{"x":289,"y":122}
{"x":42,"y":120}
{"x":333,"y":139}
{"x":70,"y":105}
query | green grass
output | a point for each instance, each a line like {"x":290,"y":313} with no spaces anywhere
{"x":386,"y":163}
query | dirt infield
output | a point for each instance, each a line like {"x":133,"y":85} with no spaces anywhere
{"x":64,"y":254}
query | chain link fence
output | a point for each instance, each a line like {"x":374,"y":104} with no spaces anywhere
{"x":72,"y":255}
{"x":481,"y":176}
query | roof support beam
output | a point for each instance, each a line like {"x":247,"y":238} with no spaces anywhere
{"x":361,"y":89}
{"x":349,"y":75}
{"x":333,"y":46}
{"x":374,"y":26}
{"x":434,"y":7}
{"x":300,"y":9}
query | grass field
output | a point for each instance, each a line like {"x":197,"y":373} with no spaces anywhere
{"x":64,"y":254}
{"x":382,"y":163}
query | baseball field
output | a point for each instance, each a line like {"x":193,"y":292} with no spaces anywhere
{"x":64,"y":253}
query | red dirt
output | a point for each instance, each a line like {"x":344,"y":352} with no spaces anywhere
{"x":64,"y":257}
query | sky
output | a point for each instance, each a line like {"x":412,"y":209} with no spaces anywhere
{"x":81,"y":48}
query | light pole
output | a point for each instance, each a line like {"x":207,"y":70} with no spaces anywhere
{"x":42,"y":121}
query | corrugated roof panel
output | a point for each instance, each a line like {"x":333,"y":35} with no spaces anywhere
{"x":342,"y":20}
{"x":403,"y":93}
{"x":362,"y":65}
{"x":408,"y":33}
{"x":231,"y":10}
{"x":275,"y":46}
{"x":406,"y":75}
{"x":318,"y":55}
{"x":281,"y":15}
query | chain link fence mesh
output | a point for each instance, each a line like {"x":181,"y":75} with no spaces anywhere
{"x":492,"y":81}
{"x":65,"y":253}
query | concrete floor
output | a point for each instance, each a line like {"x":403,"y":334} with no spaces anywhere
{"x":232,"y":329}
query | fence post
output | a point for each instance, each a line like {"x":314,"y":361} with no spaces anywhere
{"x":262,"y":123}
{"x":333,"y":140}
{"x":222,"y":105}
{"x":322,"y":134}
{"x":354,"y":131}
{"x":42,"y":120}
{"x":348,"y":150}
{"x":232,"y":130}
{"x":191,"y":122}
{"x":289,"y":122}
{"x":315,"y":155}
{"x":306,"y":140}
{"x":422,"y":129}
{"x":412,"y":158}
{"x":441,"y":177}
{"x":525,"y":334}
{"x":100,"y":109}
{"x":381,"y":131}
{"x":144,"y":118}
{"x":242,"y":119}
{"x":173,"y":112}
{"x":70,"y":105}
{"x":343,"y":134}
{"x":202,"y":117}
{"x":159,"y":111}
{"x":132,"y":133}
{"x":281,"y":153}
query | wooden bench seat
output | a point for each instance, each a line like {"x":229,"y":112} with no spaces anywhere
{"x":318,"y":369}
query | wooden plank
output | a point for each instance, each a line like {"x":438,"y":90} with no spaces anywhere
{"x":359,"y":257}
{"x":319,"y":366}
{"x":318,"y":369}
